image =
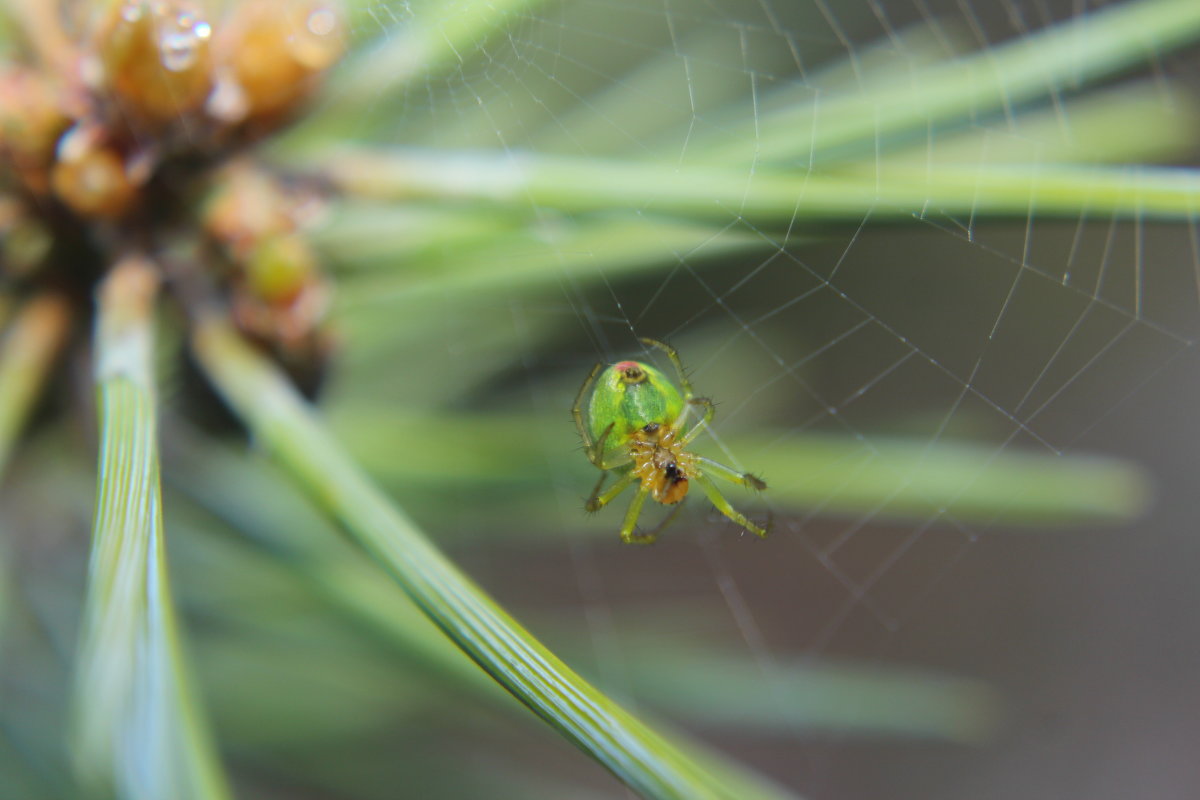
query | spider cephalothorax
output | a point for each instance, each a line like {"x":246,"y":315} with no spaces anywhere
{"x":661,"y":463}
{"x":634,"y":424}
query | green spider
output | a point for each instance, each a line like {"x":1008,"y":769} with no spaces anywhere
{"x":634,"y":424}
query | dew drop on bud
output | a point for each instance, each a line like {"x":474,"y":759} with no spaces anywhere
{"x":322,"y":22}
{"x":276,"y":52}
{"x":75,"y":143}
{"x":180,"y":40}
{"x":319,"y":43}
{"x":227,"y":102}
{"x":155,"y":57}
{"x":188,"y":21}
{"x":178,"y":51}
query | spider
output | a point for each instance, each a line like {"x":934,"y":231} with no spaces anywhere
{"x":634,"y":424}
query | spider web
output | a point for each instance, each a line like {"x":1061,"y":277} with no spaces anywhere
{"x":1056,"y":337}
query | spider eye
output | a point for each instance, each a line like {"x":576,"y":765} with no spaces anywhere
{"x":651,"y":427}
{"x":631,"y":372}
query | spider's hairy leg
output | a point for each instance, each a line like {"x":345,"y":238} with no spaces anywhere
{"x":723,"y":472}
{"x":598,"y":501}
{"x":589,"y":446}
{"x":631,"y":518}
{"x":596,"y":456}
{"x":702,"y":423}
{"x":650,"y":536}
{"x":721,"y":504}
{"x":673,"y":354}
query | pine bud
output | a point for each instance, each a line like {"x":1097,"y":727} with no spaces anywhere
{"x":155,"y":58}
{"x":272,"y":53}
{"x":247,"y":207}
{"x":32,"y":118}
{"x":280,"y":268}
{"x":90,"y":178}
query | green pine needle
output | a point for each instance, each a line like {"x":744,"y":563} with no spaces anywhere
{"x":138,"y":730}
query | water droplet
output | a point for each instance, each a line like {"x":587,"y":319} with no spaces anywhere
{"x":131,"y":12}
{"x":322,"y":22}
{"x":74,"y":144}
{"x":180,"y":38}
{"x":228,"y":101}
{"x":319,"y":43}
{"x":188,"y":21}
{"x":178,"y":50}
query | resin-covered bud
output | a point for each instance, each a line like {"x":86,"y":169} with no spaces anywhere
{"x":289,"y":326}
{"x":247,"y":207}
{"x":90,"y":178}
{"x":155,"y":57}
{"x":280,"y":268}
{"x":272,"y":54}
{"x":33,"y":116}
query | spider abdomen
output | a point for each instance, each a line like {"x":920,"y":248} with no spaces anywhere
{"x":628,"y":396}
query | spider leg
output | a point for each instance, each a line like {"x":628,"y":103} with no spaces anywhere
{"x":598,"y":501}
{"x":631,"y":518}
{"x":672,"y":354}
{"x":650,"y":536}
{"x":619,"y":459}
{"x":729,"y":474}
{"x":577,"y":413}
{"x":595,"y":450}
{"x":702,"y":423}
{"x":596,"y":456}
{"x":721,"y":504}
